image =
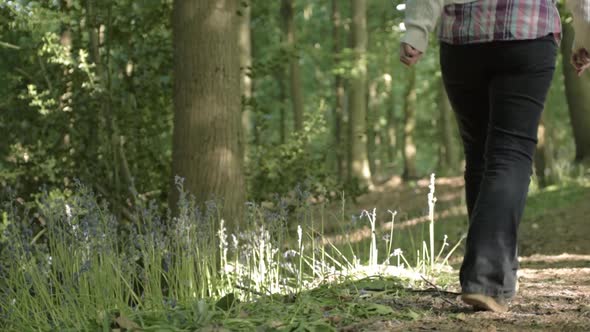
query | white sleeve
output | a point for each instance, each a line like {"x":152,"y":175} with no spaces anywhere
{"x":421,"y":19}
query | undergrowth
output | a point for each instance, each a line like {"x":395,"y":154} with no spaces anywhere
{"x":67,"y":264}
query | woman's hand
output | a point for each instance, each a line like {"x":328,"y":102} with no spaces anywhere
{"x":581,"y":60}
{"x":408,"y":55}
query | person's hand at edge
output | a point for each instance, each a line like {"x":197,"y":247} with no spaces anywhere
{"x":408,"y":55}
{"x":580,"y":60}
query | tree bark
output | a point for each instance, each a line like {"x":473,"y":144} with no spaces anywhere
{"x":448,"y":152}
{"x":357,"y":123}
{"x":338,"y":89}
{"x":245,"y":42}
{"x":577,"y":90}
{"x":409,"y":149}
{"x":206,"y":106}
{"x":287,"y":14}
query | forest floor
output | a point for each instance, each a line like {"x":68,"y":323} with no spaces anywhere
{"x":554,"y":255}
{"x":554,"y":277}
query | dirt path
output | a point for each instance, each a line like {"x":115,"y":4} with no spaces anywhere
{"x":555,"y":270}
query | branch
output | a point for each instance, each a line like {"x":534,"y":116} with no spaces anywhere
{"x":437,"y":290}
{"x":45,"y":76}
{"x":125,"y":166}
{"x":9,"y":45}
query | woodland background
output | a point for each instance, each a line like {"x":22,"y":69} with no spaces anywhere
{"x":138,"y":135}
{"x":87,"y":93}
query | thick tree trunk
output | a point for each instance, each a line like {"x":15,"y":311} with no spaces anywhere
{"x":206,"y":106}
{"x":357,"y":129}
{"x":577,"y":90}
{"x":544,"y":163}
{"x":338,"y":89}
{"x":448,"y":152}
{"x":296,"y":87}
{"x":409,"y":149}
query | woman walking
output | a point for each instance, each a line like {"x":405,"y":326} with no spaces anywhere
{"x":497,"y":59}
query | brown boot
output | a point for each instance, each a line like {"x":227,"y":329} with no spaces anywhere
{"x":484,"y":302}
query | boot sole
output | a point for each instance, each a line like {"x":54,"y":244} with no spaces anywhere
{"x":483,"y":302}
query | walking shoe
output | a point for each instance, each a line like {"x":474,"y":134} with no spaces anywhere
{"x":484,"y":302}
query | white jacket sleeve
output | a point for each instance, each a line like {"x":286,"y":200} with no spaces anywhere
{"x":421,"y":19}
{"x":581,"y":12}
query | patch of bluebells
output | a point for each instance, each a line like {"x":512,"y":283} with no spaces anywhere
{"x":90,"y":232}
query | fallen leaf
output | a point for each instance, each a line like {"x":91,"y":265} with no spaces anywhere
{"x":127,"y":324}
{"x":334,"y":319}
{"x":462,"y":317}
{"x":227,"y":302}
{"x":378,"y":309}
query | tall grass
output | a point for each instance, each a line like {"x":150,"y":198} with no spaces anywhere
{"x":82,"y":268}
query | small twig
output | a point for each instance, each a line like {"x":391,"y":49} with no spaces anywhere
{"x":437,"y":290}
{"x":146,"y":195}
{"x":9,"y":45}
{"x":125,"y":166}
{"x":24,"y":73}
{"x":432,"y":290}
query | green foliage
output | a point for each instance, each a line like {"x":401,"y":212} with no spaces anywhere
{"x":74,"y":111}
{"x":279,"y":168}
{"x":103,"y":113}
{"x":86,"y":93}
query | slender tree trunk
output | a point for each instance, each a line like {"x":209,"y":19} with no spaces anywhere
{"x":448,"y":153}
{"x":66,"y":43}
{"x":113,"y":146}
{"x":391,"y":132}
{"x":544,"y":163}
{"x":245,"y":40}
{"x":280,"y":78}
{"x":338,"y":89}
{"x":93,"y":144}
{"x":207,"y":118}
{"x":92,"y":32}
{"x":372,"y":127}
{"x":577,"y":90}
{"x":66,"y":34}
{"x":65,"y":100}
{"x":287,"y":14}
{"x":409,"y":127}
{"x":358,"y":101}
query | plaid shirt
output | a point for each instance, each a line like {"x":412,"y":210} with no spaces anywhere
{"x":498,"y":20}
